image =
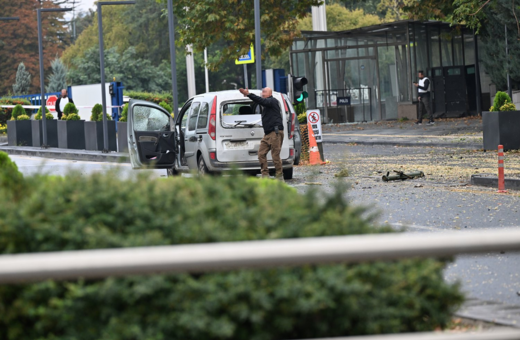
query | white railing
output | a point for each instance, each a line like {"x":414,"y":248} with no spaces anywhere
{"x":212,"y":257}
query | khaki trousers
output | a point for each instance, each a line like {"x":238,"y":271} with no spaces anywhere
{"x":271,"y":142}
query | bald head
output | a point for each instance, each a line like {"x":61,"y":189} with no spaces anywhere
{"x":267,"y":92}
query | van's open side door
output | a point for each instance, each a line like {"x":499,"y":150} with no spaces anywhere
{"x":151,"y":137}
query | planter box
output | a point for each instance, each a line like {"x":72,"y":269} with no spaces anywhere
{"x":501,"y":128}
{"x":19,"y":133}
{"x":94,"y":136}
{"x":71,"y":134}
{"x":122,"y":138}
{"x":52,"y":133}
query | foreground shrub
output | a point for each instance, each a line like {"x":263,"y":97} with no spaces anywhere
{"x":105,"y":211}
{"x":124,"y":114}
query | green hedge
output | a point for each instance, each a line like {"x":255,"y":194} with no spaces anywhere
{"x":156,"y":98}
{"x":5,"y":113}
{"x":106,"y":211}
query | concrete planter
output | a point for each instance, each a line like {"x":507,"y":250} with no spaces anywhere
{"x":122,"y":138}
{"x":94,"y":136}
{"x":19,"y":133}
{"x":52,"y":133}
{"x":501,"y":128}
{"x":71,"y":134}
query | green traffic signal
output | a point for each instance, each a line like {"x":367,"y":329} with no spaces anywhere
{"x":300,"y":98}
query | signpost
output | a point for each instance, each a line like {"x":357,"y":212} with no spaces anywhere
{"x":313,"y":117}
{"x":248,"y":58}
{"x":51,"y":103}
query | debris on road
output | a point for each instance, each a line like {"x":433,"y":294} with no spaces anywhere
{"x":342,"y":173}
{"x":400,"y":175}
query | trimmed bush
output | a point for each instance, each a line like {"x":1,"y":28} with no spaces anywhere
{"x":70,"y":108}
{"x":302,"y":118}
{"x":24,"y":117}
{"x":124,"y":114}
{"x":11,"y":180}
{"x":96,"y":111}
{"x":18,"y":110}
{"x":508,"y":107}
{"x":71,"y":116}
{"x":108,"y":211}
{"x":501,"y":98}
{"x":165,"y":106}
{"x":156,"y":98}
{"x":3,"y":129}
{"x":48,"y":115}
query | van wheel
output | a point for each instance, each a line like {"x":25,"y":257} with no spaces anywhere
{"x":288,"y":173}
{"x":172,"y":172}
{"x":202,"y":168}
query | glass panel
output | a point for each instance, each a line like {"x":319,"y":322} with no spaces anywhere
{"x":388,"y":82}
{"x":147,"y":118}
{"x":194,"y":114}
{"x":446,"y":49}
{"x":469,"y":49}
{"x":434,"y":47}
{"x":457,"y":50}
{"x":203,"y":116}
{"x":421,"y":48}
{"x":454,"y":71}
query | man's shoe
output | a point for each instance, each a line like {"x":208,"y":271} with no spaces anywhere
{"x":431,"y":123}
{"x":266,"y":176}
{"x":418,"y":123}
{"x":280,"y":178}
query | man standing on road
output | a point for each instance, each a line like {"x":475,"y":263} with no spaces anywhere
{"x":63,"y":100}
{"x":273,"y":130}
{"x":423,"y":88}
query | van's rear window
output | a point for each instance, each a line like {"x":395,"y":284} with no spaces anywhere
{"x":241,"y":114}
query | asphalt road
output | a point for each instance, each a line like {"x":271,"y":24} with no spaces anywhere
{"x":442,"y":201}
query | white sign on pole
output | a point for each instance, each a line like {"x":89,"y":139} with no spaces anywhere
{"x":313,"y":117}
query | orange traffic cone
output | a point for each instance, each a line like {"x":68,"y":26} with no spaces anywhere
{"x":314,"y":153}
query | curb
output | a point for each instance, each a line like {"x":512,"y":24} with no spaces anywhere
{"x":492,"y":182}
{"x":68,"y":154}
{"x":407,"y":144}
{"x":490,"y":311}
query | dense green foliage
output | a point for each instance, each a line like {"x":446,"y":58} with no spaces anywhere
{"x":124,"y":113}
{"x":96,"y":112}
{"x":108,"y":211}
{"x":11,"y":180}
{"x":501,"y":98}
{"x":165,"y":106}
{"x":71,"y":116}
{"x":48,"y":115}
{"x":156,"y":98}
{"x":23,"y":81}
{"x":23,"y":117}
{"x":508,"y":107}
{"x":18,"y":110}
{"x":70,"y":108}
{"x":5,"y":113}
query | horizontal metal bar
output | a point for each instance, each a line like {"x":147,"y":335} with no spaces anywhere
{"x":103,"y":3}
{"x":9,"y":18}
{"x":251,"y":254}
{"x":55,"y":9}
{"x":492,"y":335}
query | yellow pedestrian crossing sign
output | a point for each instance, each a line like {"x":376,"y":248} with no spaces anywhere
{"x":247,"y":58}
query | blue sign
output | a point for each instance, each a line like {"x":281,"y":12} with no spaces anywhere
{"x":343,"y":101}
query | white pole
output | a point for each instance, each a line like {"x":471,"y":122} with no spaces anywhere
{"x":206,"y":69}
{"x":190,"y":71}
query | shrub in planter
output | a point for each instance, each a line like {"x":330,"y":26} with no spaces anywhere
{"x":109,"y":211}
{"x":71,"y":132}
{"x":508,"y":107}
{"x":72,"y":116}
{"x":124,"y":114}
{"x":500,"y":124}
{"x":501,"y":98}
{"x":18,"y":110}
{"x":48,"y":114}
{"x":70,"y":108}
{"x":96,"y":111}
{"x":5,"y":113}
{"x":23,"y":117}
{"x":37,"y":129}
{"x":302,"y":118}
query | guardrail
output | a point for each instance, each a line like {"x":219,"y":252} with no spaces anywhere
{"x":212,"y":257}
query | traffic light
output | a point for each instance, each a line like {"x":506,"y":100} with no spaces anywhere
{"x":298,"y":92}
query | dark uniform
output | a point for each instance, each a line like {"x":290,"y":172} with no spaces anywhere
{"x":273,"y":133}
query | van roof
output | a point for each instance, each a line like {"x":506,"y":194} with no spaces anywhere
{"x":228,"y":94}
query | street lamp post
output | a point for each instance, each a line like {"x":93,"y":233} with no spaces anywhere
{"x":102,"y":66}
{"x":258,"y":46}
{"x":42,"y":79}
{"x":173,"y":58}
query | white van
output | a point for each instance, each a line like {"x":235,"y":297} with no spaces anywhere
{"x":213,"y":132}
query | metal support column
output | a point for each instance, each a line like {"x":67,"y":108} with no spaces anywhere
{"x":173,"y":58}
{"x":258,"y":46}
{"x":477,"y":76}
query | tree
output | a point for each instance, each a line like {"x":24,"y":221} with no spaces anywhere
{"x":23,"y":80}
{"x":20,"y":40}
{"x":58,"y":78}
{"x":393,"y":9}
{"x":201,"y":25}
{"x":340,"y":19}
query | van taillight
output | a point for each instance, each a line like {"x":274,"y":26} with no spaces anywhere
{"x":213,"y":155}
{"x":291,"y":152}
{"x":293,"y":122}
{"x":212,"y":130}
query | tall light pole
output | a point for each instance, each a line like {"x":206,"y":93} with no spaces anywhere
{"x":173,"y":58}
{"x":258,"y":47}
{"x":102,"y":65}
{"x":42,"y":79}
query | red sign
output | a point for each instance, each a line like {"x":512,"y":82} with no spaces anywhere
{"x":51,"y":101}
{"x":314,"y":117}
